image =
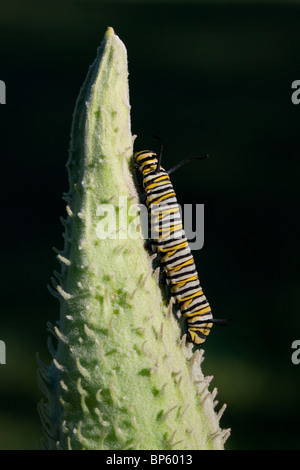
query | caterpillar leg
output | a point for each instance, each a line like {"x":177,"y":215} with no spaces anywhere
{"x":162,"y":277}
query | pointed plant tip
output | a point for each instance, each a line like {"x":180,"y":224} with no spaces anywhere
{"x":109,"y":32}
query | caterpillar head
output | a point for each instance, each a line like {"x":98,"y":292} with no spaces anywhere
{"x":146,"y":161}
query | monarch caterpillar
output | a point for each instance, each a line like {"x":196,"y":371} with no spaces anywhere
{"x":169,"y":241}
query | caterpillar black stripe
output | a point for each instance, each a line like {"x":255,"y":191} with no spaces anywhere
{"x":169,"y":241}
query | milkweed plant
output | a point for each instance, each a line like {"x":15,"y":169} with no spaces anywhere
{"x":122,"y":376}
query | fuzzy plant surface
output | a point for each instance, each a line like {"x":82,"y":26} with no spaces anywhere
{"x":122,"y":375}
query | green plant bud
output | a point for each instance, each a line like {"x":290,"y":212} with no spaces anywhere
{"x":121,"y":376}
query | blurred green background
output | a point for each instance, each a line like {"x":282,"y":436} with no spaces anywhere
{"x":208,"y":78}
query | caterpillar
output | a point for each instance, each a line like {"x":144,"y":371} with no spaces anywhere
{"x":169,"y":241}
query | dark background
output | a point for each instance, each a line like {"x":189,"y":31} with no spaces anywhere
{"x":210,"y":78}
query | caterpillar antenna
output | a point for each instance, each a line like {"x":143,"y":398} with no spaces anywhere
{"x":160,"y":151}
{"x":183,"y":162}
